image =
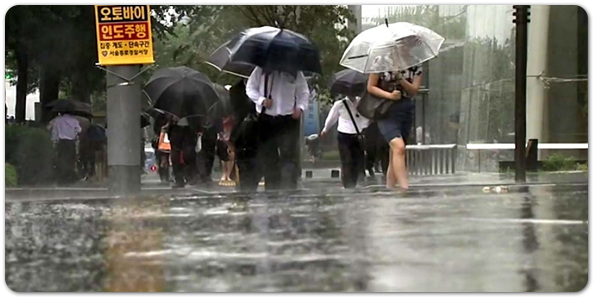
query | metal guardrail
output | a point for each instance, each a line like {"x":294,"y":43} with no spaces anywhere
{"x":541,"y":146}
{"x":431,"y":159}
{"x":511,"y":146}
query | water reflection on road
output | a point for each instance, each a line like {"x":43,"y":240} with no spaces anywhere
{"x":531,"y":240}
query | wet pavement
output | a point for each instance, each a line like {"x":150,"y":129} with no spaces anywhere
{"x":455,"y":239}
{"x":321,"y":182}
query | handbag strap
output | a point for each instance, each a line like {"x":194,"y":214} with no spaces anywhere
{"x":351,"y":117}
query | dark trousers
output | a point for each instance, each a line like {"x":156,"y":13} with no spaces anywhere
{"x":183,"y":154}
{"x":88,"y":165}
{"x":162,"y":162}
{"x":86,"y":153}
{"x":377,"y":149}
{"x":250,"y":173}
{"x":206,"y":154}
{"x":279,"y":151}
{"x":66,"y":161}
{"x":352,"y":157}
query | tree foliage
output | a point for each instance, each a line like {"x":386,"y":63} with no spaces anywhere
{"x":56,"y":44}
{"x":207,"y":27}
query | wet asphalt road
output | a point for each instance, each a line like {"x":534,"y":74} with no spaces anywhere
{"x":457,"y":240}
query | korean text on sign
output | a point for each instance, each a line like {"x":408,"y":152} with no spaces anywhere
{"x":124,"y":34}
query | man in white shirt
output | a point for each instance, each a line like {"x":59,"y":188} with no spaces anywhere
{"x":282,"y":98}
{"x":64,"y":131}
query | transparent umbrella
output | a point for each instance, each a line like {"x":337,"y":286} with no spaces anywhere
{"x":391,"y":47}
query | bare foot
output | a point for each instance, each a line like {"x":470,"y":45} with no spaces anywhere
{"x":399,"y":189}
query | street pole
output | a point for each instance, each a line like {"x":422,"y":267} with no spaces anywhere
{"x":521,"y":19}
{"x":123,"y":53}
{"x":123,"y":130}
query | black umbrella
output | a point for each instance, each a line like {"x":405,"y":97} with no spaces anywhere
{"x":221,"y":60}
{"x":348,"y":82}
{"x":182,"y":91}
{"x":274,"y":49}
{"x":144,"y":119}
{"x":70,"y":106}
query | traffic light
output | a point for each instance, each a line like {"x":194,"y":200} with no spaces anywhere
{"x":522,"y":13}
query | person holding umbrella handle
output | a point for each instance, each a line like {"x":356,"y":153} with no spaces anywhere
{"x":280,"y":99}
{"x":396,"y":127}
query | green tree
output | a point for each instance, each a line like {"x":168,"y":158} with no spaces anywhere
{"x":56,"y":44}
{"x":207,"y":27}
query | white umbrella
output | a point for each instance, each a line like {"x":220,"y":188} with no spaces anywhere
{"x":391,"y":47}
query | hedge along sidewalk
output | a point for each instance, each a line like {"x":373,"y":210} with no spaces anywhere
{"x":31,"y":152}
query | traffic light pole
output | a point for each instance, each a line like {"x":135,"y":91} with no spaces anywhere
{"x":521,"y":19}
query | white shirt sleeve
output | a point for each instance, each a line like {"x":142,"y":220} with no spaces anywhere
{"x":332,"y":117}
{"x":253,"y":85}
{"x":302,"y":91}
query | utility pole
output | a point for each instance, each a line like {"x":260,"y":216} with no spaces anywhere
{"x":521,"y":20}
{"x":123,"y":130}
{"x":124,"y":42}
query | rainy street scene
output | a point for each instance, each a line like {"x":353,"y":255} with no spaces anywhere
{"x":296,"y":148}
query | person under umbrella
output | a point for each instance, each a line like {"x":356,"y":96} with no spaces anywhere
{"x":64,"y":132}
{"x":226,"y":121}
{"x":91,"y":141}
{"x":392,"y":54}
{"x":350,"y":146}
{"x":281,"y":99}
{"x":396,"y":128}
{"x":183,"y":155}
{"x":210,"y":135}
{"x":188,"y":95}
{"x":285,"y":56}
{"x":352,"y":83}
{"x":244,"y":138}
{"x":161,"y":119}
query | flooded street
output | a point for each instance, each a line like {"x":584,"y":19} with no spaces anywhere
{"x":420,"y":148}
{"x":461,"y":240}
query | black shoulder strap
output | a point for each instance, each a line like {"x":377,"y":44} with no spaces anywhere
{"x":266,"y":94}
{"x":351,"y":116}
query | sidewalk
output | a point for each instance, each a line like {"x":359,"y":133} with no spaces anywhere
{"x":321,"y":180}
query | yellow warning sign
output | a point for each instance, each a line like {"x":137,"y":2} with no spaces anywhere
{"x":123,"y":34}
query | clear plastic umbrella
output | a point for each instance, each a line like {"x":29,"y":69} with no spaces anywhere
{"x":391,"y":47}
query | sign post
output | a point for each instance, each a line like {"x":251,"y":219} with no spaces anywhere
{"x":124,"y":42}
